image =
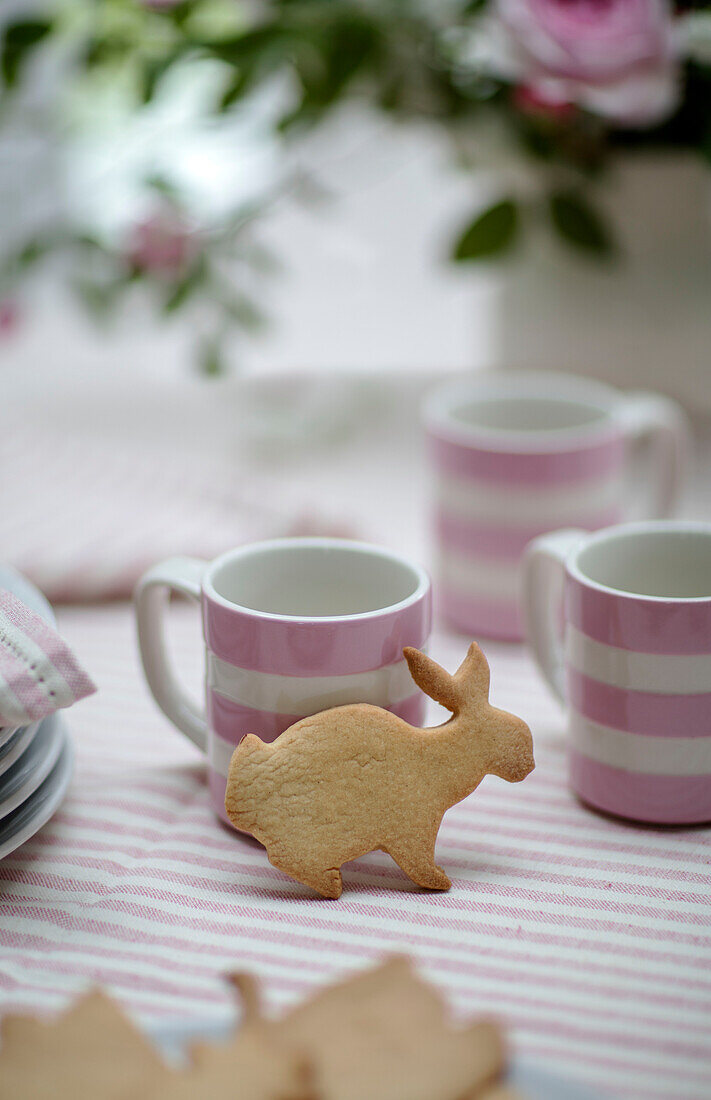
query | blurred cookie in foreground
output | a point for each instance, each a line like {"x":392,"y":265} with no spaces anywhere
{"x":383,"y":1034}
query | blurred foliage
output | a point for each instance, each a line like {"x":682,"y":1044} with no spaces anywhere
{"x":489,"y":234}
{"x":408,"y":58}
{"x":578,"y":224}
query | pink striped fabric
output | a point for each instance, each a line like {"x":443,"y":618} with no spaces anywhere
{"x":590,"y":937}
{"x":39,"y":674}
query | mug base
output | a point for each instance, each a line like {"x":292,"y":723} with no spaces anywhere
{"x":217,"y":784}
{"x":477,"y":617}
{"x":650,"y":799}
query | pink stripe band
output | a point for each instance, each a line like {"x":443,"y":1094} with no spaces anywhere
{"x":482,"y":541}
{"x":291,"y":647}
{"x":529,"y":468}
{"x":473,"y":616}
{"x":638,"y":624}
{"x":232,"y":721}
{"x":662,"y":799}
{"x":645,"y":712}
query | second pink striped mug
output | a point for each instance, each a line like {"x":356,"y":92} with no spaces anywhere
{"x":633,"y":665}
{"x":516,"y":454}
{"x":291,"y":627}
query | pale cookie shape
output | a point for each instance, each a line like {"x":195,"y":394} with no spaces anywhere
{"x":385,"y":1035}
{"x":91,"y":1050}
{"x":355,"y":779}
{"x":255,"y":1064}
{"x":499,"y":1092}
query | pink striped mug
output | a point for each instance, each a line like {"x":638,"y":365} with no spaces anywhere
{"x":633,"y":664}
{"x":291,"y":626}
{"x":519,"y":454}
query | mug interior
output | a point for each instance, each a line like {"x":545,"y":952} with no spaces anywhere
{"x":673,"y":564}
{"x":522,"y":409}
{"x":316,"y":579}
{"x":532,"y":413}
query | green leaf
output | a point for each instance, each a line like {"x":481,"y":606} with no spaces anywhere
{"x":29,"y":254}
{"x":706,"y":145}
{"x":89,"y":243}
{"x":235,"y":89}
{"x":245,"y":312}
{"x":159,"y":183}
{"x":184,"y":289}
{"x":18,"y":41}
{"x":99,"y":299}
{"x":578,"y":223}
{"x":490,"y":234}
{"x":210,"y":361}
{"x":153,"y":71}
{"x":247,"y":46}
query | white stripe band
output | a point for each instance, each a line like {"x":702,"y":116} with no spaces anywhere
{"x":670,"y":674}
{"x":480,"y":577}
{"x":219,"y":753}
{"x":515,"y":506}
{"x":307,"y":694}
{"x":635,"y":752}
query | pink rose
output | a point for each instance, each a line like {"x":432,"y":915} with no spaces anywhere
{"x":532,"y":101}
{"x":617,"y":58}
{"x":9,"y":318}
{"x":161,"y":244}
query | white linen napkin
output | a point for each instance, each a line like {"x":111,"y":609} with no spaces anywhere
{"x":39,"y":674}
{"x":83,"y":518}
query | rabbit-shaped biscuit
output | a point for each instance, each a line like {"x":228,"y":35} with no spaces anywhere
{"x":357,"y":778}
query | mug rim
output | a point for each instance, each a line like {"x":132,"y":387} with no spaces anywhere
{"x":420,"y":592}
{"x":620,"y":530}
{"x":440,"y":403}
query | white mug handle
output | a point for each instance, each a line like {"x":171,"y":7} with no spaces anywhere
{"x":649,"y":417}
{"x":542,"y":579}
{"x":151,"y":600}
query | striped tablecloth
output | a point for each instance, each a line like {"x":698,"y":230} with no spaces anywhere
{"x":590,"y":937}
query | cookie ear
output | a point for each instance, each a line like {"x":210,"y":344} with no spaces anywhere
{"x":432,"y":678}
{"x":249,"y":995}
{"x":473,"y":676}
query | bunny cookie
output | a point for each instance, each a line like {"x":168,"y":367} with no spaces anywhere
{"x":357,"y":778}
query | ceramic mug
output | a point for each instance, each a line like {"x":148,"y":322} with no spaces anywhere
{"x":291,"y":627}
{"x":633,"y":664}
{"x":519,"y":454}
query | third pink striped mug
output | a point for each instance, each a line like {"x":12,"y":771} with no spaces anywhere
{"x":291,"y":626}
{"x":519,"y":454}
{"x":634,"y":664}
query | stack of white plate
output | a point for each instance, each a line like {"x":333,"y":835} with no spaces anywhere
{"x":35,"y":761}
